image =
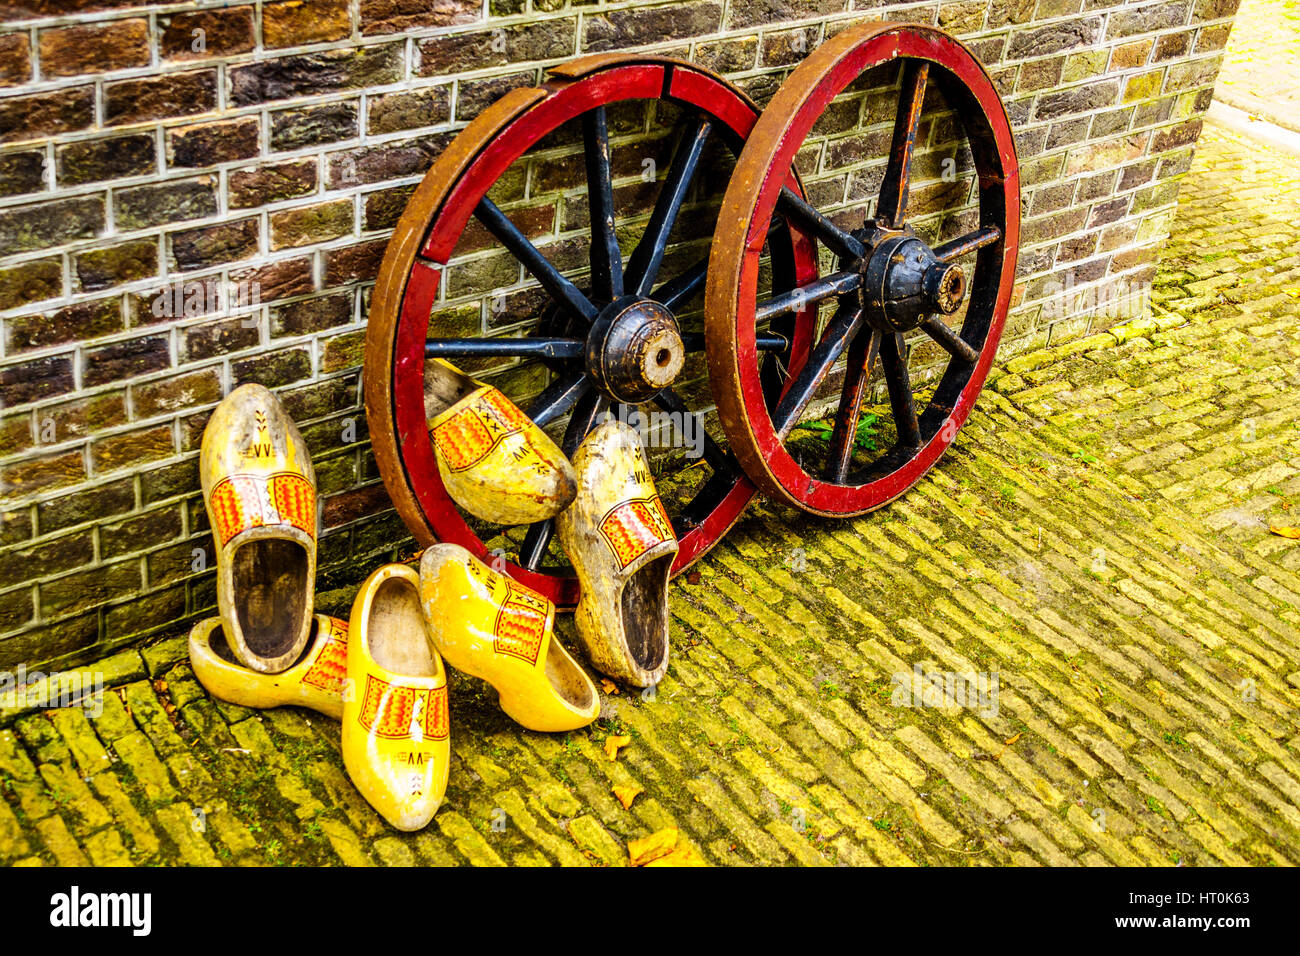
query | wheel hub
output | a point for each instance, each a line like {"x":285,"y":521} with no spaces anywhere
{"x":903,"y":281}
{"x":634,"y":349}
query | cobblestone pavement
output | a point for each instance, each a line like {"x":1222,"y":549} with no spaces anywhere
{"x":1097,"y":539}
{"x":1261,"y":66}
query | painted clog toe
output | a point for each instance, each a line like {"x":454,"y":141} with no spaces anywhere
{"x":493,"y":461}
{"x":396,"y":733}
{"x":490,"y":626}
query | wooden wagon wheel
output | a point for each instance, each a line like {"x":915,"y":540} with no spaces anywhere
{"x":888,"y":282}
{"x":597,"y":333}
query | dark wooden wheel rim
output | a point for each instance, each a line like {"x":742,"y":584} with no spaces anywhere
{"x":748,"y":207}
{"x":425,"y":237}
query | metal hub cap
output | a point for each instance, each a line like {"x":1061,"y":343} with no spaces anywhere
{"x":634,"y":349}
{"x":903,"y":282}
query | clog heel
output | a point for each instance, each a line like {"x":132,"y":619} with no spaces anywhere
{"x":493,"y":461}
{"x":317,"y":680}
{"x":621,"y":544}
{"x":396,"y":720}
{"x":260,"y":492}
{"x":490,"y":626}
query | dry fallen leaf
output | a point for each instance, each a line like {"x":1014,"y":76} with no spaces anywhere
{"x":1014,"y":739}
{"x":627,"y":794}
{"x":613,"y":743}
{"x":608,"y":686}
{"x":683,"y":855}
{"x":642,"y":851}
{"x":1282,"y":532}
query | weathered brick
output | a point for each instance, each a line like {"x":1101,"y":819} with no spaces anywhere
{"x":30,"y":282}
{"x":762,"y":12}
{"x":304,"y":225}
{"x":98,"y":269}
{"x":312,"y":315}
{"x":278,"y":280}
{"x":372,"y":164}
{"x":391,"y":112}
{"x":95,"y":160}
{"x":85,"y":320}
{"x":315,"y":73}
{"x":46,"y":114}
{"x":130,"y":450}
{"x":22,"y":173}
{"x":619,"y":28}
{"x":15,"y":59}
{"x":159,"y":97}
{"x":548,"y":39}
{"x":190,"y":390}
{"x":1149,"y":18}
{"x":273,"y":369}
{"x":354,"y":263}
{"x":125,"y":359}
{"x":1080,"y":99}
{"x":23,"y":228}
{"x":385,"y":206}
{"x":87,"y":589}
{"x":299,"y":22}
{"x":207,"y":144}
{"x":270,"y":183}
{"x":1054,"y":38}
{"x":202,"y":34}
{"x":215,"y":245}
{"x":36,"y":379}
{"x":398,"y":16}
{"x":76,"y":50}
{"x":314,"y":125}
{"x":143,"y":206}
{"x":219,"y":338}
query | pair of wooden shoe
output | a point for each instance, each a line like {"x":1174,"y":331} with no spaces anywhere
{"x":382,"y":673}
{"x":497,"y":464}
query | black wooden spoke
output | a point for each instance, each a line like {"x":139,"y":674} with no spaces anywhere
{"x":892,"y":207}
{"x":951,"y":341}
{"x":763,"y":342}
{"x":606,"y":260}
{"x":839,"y":331}
{"x":857,"y":373}
{"x":557,"y":398}
{"x":954,"y":249}
{"x":812,"y":221}
{"x":564,"y":292}
{"x":892,"y":352}
{"x":719,"y":460}
{"x":796,"y":300}
{"x":648,"y":256}
{"x":584,"y":418}
{"x":543,"y":347}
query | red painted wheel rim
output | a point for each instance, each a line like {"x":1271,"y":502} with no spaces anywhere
{"x":563,"y":102}
{"x":781,"y":474}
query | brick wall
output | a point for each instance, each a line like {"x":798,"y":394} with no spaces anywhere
{"x":210,"y":149}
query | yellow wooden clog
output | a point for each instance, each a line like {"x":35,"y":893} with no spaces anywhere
{"x":260,"y":493}
{"x":490,"y":626}
{"x":317,"y":680}
{"x":621,"y":544}
{"x":494,"y":462}
{"x":397,"y":722}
